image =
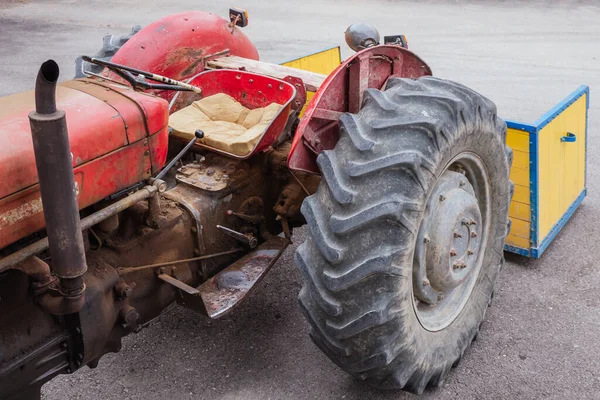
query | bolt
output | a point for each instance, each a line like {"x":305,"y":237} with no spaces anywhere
{"x":426,"y":239}
{"x":472,"y":222}
{"x":210,"y":172}
{"x":457,"y":234}
{"x":194,"y":229}
{"x":459,"y":265}
{"x":442,"y":197}
{"x":426,"y":282}
{"x":440,"y":297}
{"x":469,"y":252}
{"x":461,"y":184}
{"x":130,"y":315}
{"x":452,"y":252}
{"x":473,"y":234}
{"x":123,"y":290}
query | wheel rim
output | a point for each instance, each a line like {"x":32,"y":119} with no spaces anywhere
{"x":451,"y":242}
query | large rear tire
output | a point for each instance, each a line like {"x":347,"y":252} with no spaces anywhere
{"x":406,"y":232}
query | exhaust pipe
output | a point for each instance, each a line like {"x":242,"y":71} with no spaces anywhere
{"x":53,"y":160}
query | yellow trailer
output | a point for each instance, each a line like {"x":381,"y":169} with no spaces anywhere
{"x":549,"y":173}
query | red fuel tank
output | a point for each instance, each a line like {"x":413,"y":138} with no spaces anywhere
{"x":118,"y":138}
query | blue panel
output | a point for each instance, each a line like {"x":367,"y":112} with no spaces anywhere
{"x":560,"y":107}
{"x":520,"y":126}
{"x":587,"y":114}
{"x":534,"y":192}
{"x":516,"y":250}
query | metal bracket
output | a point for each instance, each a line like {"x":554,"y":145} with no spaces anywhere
{"x":569,"y":138}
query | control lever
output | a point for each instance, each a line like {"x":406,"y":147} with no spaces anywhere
{"x":239,"y":236}
{"x":199,"y":134}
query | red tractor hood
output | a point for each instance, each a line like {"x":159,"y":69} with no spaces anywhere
{"x":118,"y":137}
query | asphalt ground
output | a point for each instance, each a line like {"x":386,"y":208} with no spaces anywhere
{"x":541,"y":337}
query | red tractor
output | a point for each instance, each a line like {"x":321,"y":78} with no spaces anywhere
{"x":401,"y":177}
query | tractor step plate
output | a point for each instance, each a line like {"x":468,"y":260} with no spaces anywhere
{"x":224,"y":291}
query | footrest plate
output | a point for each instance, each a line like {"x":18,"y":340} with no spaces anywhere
{"x":224,"y":291}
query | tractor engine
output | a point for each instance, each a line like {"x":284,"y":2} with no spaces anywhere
{"x":147,"y":242}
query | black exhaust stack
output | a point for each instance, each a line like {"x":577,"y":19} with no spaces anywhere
{"x":53,"y":160}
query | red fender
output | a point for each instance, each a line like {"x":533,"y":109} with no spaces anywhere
{"x":342,"y":92}
{"x":175,"y":46}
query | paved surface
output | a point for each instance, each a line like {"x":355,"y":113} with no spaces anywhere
{"x":540,"y":339}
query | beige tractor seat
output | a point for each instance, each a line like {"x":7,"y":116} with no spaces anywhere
{"x":228,"y":126}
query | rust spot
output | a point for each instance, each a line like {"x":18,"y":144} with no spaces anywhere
{"x":190,"y":56}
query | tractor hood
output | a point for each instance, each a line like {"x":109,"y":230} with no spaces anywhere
{"x":118,"y":137}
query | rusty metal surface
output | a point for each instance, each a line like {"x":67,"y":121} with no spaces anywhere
{"x":342,"y":92}
{"x":105,"y":123}
{"x":176,"y":46}
{"x":227,"y":289}
{"x":87,"y":222}
{"x":58,"y":191}
{"x":213,"y":176}
{"x":178,"y":284}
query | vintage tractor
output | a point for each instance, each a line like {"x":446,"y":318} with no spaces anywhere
{"x":401,"y":177}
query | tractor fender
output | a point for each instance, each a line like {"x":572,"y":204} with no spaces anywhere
{"x":177,"y":45}
{"x":342,"y":91}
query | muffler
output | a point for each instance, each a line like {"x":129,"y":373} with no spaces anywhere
{"x":53,"y":160}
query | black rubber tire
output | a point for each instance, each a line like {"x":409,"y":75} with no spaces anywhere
{"x":110,"y":45}
{"x":357,"y":260}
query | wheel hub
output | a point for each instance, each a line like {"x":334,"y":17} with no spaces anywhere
{"x":449,"y":242}
{"x":452,"y":251}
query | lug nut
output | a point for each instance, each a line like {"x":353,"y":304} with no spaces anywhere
{"x":426,"y":282}
{"x":426,"y":239}
{"x":452,"y":252}
{"x":457,"y":235}
{"x":469,"y":252}
{"x":473,"y":234}
{"x":440,"y":297}
{"x":442,"y":197}
{"x":459,"y":265}
{"x":461,"y":184}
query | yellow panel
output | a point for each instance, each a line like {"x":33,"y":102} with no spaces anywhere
{"x":518,"y":241}
{"x":520,"y":159}
{"x":323,"y":62}
{"x":520,"y":228}
{"x":521,"y":194}
{"x":520,"y":176}
{"x":561,"y":165}
{"x":517,"y":140}
{"x":519,"y":211}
